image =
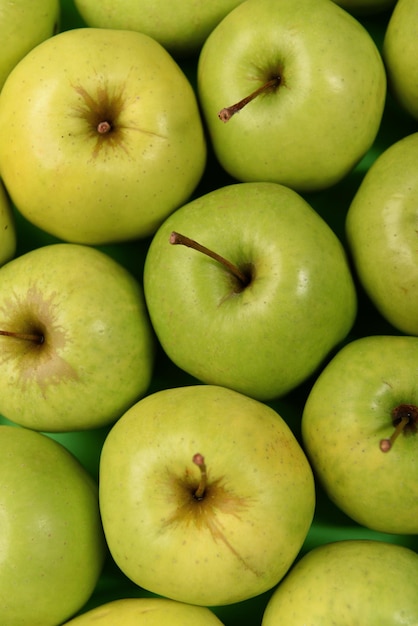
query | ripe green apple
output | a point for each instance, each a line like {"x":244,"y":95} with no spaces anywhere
{"x":23,"y":25}
{"x":101,"y":136}
{"x":400,"y":51}
{"x":348,"y":582}
{"x":7,"y":228}
{"x":181,"y":26}
{"x":52,"y":546}
{"x":146,"y":612}
{"x":76,"y":347}
{"x":316,"y":84}
{"x":205,"y":494}
{"x":382,"y":234}
{"x":366,"y":7}
{"x":265,"y":332}
{"x":359,"y":431}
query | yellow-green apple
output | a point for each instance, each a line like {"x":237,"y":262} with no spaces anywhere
{"x":23,"y":25}
{"x":205,"y":494}
{"x":382,"y":234}
{"x":348,"y":582}
{"x":262,"y":320}
{"x":292,"y":92}
{"x":400,"y":51}
{"x":101,"y":135}
{"x":181,"y":26}
{"x":7,"y":228}
{"x":146,"y":612}
{"x":359,"y":429}
{"x":52,"y":545}
{"x":76,"y":345}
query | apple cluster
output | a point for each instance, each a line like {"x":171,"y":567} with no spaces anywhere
{"x":208,"y":312}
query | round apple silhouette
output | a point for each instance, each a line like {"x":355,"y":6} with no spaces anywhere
{"x":24,"y":25}
{"x":181,"y":26}
{"x":146,"y":612}
{"x":359,"y":429}
{"x":348,"y":582}
{"x":101,"y":136}
{"x":261,"y":314}
{"x":382,"y":234}
{"x":206,"y":496}
{"x":399,"y":51}
{"x":76,"y":343}
{"x":52,"y":544}
{"x":301,"y":88}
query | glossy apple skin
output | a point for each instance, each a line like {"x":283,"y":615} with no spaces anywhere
{"x":331,"y":72}
{"x":348,"y":582}
{"x":181,"y":26}
{"x":271,"y":336}
{"x":7,"y":228}
{"x":382,"y":234}
{"x":52,"y":543}
{"x":24,"y":25}
{"x":98,"y":353}
{"x":89,"y":188}
{"x":399,"y":51}
{"x":147,"y":612}
{"x":237,"y":542}
{"x":347,"y":413}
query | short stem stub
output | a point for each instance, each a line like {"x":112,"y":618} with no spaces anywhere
{"x":177,"y":238}
{"x":104,"y":127}
{"x":33,"y":337}
{"x":226,"y":113}
{"x":405,"y":418}
{"x":199,"y":460}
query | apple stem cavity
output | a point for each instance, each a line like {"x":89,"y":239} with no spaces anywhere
{"x":199,"y":460}
{"x":226,"y":113}
{"x":405,"y":419}
{"x":177,"y":238}
{"x":33,"y":337}
{"x":104,"y":127}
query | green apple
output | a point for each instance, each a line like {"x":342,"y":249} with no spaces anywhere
{"x":205,"y":494}
{"x":23,"y":25}
{"x":146,"y":612}
{"x":359,"y":430}
{"x":266,"y":331}
{"x":366,"y":7}
{"x":51,"y":545}
{"x":7,"y":228}
{"x":75,"y":340}
{"x":348,"y":582}
{"x":101,"y":136}
{"x":301,"y":88}
{"x":382,"y":234}
{"x":181,"y":26}
{"x":400,"y":50}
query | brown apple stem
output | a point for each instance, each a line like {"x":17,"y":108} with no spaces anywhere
{"x":199,"y":460}
{"x":104,"y":127}
{"x":177,"y":238}
{"x":405,"y":419}
{"x":35,"y":338}
{"x":226,"y":113}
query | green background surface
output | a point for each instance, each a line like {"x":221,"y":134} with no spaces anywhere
{"x":329,"y":523}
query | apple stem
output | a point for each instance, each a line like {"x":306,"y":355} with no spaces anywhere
{"x":386,"y":444}
{"x":405,"y":418}
{"x":35,"y":338}
{"x":199,"y":460}
{"x":226,"y":113}
{"x":104,"y":127}
{"x":177,"y":238}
